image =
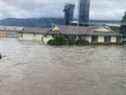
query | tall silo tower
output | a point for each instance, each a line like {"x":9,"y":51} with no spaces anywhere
{"x":84,"y":12}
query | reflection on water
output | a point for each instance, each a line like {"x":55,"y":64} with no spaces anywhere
{"x":35,"y":69}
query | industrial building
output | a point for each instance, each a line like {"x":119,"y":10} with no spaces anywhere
{"x":93,"y":35}
{"x":9,"y":31}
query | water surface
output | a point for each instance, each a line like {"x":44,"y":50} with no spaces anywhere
{"x":33,"y":69}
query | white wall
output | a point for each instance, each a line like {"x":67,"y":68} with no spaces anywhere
{"x":113,"y":39}
{"x":88,"y":38}
{"x":100,"y":39}
{"x":28,"y":36}
{"x":37,"y":37}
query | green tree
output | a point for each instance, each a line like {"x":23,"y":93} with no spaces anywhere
{"x":58,"y":40}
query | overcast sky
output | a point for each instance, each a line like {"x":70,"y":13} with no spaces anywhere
{"x":100,"y":9}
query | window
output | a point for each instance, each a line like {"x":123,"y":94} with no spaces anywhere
{"x":94,"y":39}
{"x":107,"y":39}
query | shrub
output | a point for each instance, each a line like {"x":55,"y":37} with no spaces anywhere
{"x":58,"y":40}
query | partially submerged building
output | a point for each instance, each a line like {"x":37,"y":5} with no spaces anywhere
{"x":9,"y":31}
{"x":93,"y":35}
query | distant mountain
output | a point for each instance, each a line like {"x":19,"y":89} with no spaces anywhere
{"x":45,"y":22}
{"x":32,"y":22}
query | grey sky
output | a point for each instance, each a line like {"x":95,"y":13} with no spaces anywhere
{"x":100,"y":9}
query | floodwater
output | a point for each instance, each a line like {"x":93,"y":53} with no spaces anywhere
{"x":32,"y":69}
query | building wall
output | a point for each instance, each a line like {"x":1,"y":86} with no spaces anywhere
{"x":34,"y":37}
{"x":113,"y":39}
{"x":20,"y":36}
{"x":29,"y":36}
{"x":7,"y":34}
{"x":11,"y":34}
{"x":3,"y":34}
{"x":37,"y":37}
{"x":101,"y":39}
{"x":88,"y":38}
{"x":41,"y":38}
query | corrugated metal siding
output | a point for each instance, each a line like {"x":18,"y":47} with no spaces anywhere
{"x":3,"y":34}
{"x":11,"y":34}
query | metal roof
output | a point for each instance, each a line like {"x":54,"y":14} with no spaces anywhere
{"x":65,"y":30}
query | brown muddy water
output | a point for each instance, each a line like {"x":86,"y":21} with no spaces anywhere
{"x":32,"y":69}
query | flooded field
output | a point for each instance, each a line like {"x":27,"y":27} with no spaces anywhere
{"x":34,"y":69}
